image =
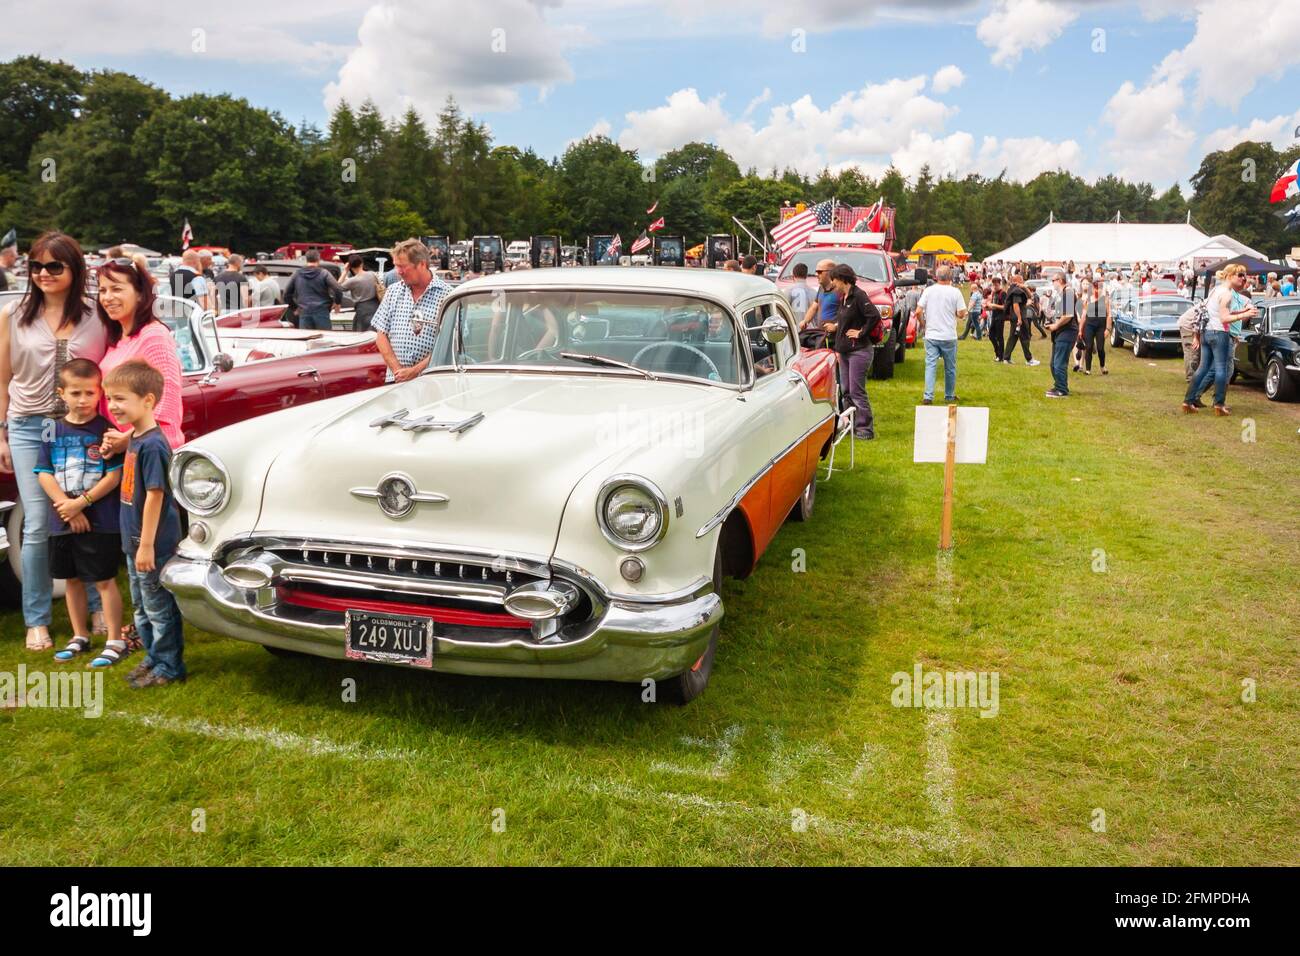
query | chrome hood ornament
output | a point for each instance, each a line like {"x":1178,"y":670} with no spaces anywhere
{"x":397,"y":495}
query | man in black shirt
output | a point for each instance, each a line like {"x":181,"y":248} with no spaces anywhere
{"x":1018,"y":315}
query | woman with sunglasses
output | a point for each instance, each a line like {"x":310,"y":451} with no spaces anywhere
{"x":39,"y":334}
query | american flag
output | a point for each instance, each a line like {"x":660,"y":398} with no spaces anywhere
{"x":792,"y":234}
{"x":641,"y":242}
{"x":657,"y":224}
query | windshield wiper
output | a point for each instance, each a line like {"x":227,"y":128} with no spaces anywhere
{"x":605,"y":360}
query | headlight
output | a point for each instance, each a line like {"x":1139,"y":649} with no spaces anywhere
{"x":201,"y":482}
{"x":632,"y":512}
{"x":886,"y":311}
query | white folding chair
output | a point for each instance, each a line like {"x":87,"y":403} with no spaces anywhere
{"x":844,"y":423}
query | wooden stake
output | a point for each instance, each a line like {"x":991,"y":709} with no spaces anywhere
{"x":949,"y":468}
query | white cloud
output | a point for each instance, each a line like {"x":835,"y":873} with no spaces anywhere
{"x":1013,"y":26}
{"x":1280,"y":131}
{"x":1150,"y":140}
{"x":405,"y":57}
{"x":1237,"y":44}
{"x":870,"y":128}
{"x":947,"y":78}
{"x":757,"y":102}
{"x":89,"y":31}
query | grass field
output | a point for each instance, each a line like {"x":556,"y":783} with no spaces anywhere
{"x":1123,"y":568}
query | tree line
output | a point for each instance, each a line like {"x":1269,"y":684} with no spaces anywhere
{"x":106,"y":157}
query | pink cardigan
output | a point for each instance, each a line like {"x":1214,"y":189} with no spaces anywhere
{"x":156,"y":346}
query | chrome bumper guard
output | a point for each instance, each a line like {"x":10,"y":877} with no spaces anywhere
{"x":625,"y":640}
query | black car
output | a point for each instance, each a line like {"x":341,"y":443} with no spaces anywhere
{"x":1270,"y":349}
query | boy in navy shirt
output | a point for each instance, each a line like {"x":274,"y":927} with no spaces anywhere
{"x":85,"y":544}
{"x":151,"y":527}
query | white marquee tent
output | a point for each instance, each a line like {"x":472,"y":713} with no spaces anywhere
{"x":1120,"y":243}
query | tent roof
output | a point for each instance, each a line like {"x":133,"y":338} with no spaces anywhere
{"x":1255,"y":267}
{"x":1116,"y":242}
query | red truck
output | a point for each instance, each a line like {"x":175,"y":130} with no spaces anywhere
{"x":329,"y":251}
{"x":867,"y":254}
{"x":235,"y":367}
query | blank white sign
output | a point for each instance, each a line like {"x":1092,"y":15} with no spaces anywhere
{"x":931,"y":441}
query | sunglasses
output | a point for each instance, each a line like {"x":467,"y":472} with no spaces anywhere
{"x":53,"y":267}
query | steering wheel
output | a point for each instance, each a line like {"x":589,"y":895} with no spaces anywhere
{"x":636,"y":359}
{"x":546,"y":350}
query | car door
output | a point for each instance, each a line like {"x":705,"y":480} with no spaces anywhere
{"x":259,"y":387}
{"x":1246,"y":350}
{"x":794,"y":413}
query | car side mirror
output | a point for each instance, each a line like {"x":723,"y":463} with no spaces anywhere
{"x":775,"y":330}
{"x":222,"y":362}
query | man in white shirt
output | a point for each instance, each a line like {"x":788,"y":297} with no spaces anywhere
{"x":937,"y":313}
{"x":265,"y":290}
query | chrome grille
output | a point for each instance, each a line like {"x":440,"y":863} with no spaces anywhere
{"x":427,"y":570}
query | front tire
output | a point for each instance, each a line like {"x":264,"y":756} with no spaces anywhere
{"x":690,"y":684}
{"x":1116,"y":340}
{"x":1139,"y":350}
{"x":1279,"y":386}
{"x":882,"y":363}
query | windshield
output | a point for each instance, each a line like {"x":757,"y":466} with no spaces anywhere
{"x":176,"y":314}
{"x":660,"y":334}
{"x":1167,"y":308}
{"x":1284,"y":319}
{"x":866,"y":265}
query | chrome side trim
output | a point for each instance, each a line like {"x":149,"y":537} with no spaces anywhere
{"x":726,"y":509}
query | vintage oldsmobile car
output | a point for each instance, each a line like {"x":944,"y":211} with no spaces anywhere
{"x":1149,"y":322}
{"x":1269,"y":351}
{"x":558,"y":495}
{"x":235,"y":366}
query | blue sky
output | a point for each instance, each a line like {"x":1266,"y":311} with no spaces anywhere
{"x":963,"y":86}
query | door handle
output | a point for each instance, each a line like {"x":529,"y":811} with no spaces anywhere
{"x":308,"y":371}
{"x":794,"y":378}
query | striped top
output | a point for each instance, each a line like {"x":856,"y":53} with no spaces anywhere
{"x":36,"y":354}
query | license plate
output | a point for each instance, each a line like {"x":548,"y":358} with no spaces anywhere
{"x":390,"y":638}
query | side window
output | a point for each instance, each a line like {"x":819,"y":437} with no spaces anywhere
{"x":788,"y":346}
{"x":763,"y":351}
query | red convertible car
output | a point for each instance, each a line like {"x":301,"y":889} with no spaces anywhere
{"x":236,"y":366}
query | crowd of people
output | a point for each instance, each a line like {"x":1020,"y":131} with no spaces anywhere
{"x":1076,"y":309}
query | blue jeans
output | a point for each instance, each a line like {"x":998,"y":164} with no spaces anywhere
{"x":157,"y":622}
{"x":947,"y":350}
{"x":1216,"y":363}
{"x":1061,"y":349}
{"x":38,"y":587}
{"x":315,"y":319}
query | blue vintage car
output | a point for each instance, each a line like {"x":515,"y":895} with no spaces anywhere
{"x":1149,"y":322}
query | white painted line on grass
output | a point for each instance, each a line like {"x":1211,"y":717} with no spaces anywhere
{"x":279,"y":739}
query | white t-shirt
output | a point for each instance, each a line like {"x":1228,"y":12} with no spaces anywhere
{"x":941,"y":303}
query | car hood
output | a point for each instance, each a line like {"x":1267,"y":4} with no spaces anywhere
{"x":506,"y":479}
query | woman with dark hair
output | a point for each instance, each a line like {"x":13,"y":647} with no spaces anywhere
{"x":366,"y":289}
{"x":49,"y":327}
{"x":1098,"y":322}
{"x":126,"y":305}
{"x":855,"y":320}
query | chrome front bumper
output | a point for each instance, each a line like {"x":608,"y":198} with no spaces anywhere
{"x":630,"y":641}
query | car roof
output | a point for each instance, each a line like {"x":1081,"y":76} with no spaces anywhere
{"x":725,"y":286}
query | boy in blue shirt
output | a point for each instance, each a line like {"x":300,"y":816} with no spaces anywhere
{"x":150,"y":523}
{"x":84,"y":541}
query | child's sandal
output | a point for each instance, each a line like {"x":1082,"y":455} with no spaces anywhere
{"x":111,"y":654}
{"x":78,"y":645}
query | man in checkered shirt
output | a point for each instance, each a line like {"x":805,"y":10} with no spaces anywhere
{"x":406,"y":320}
